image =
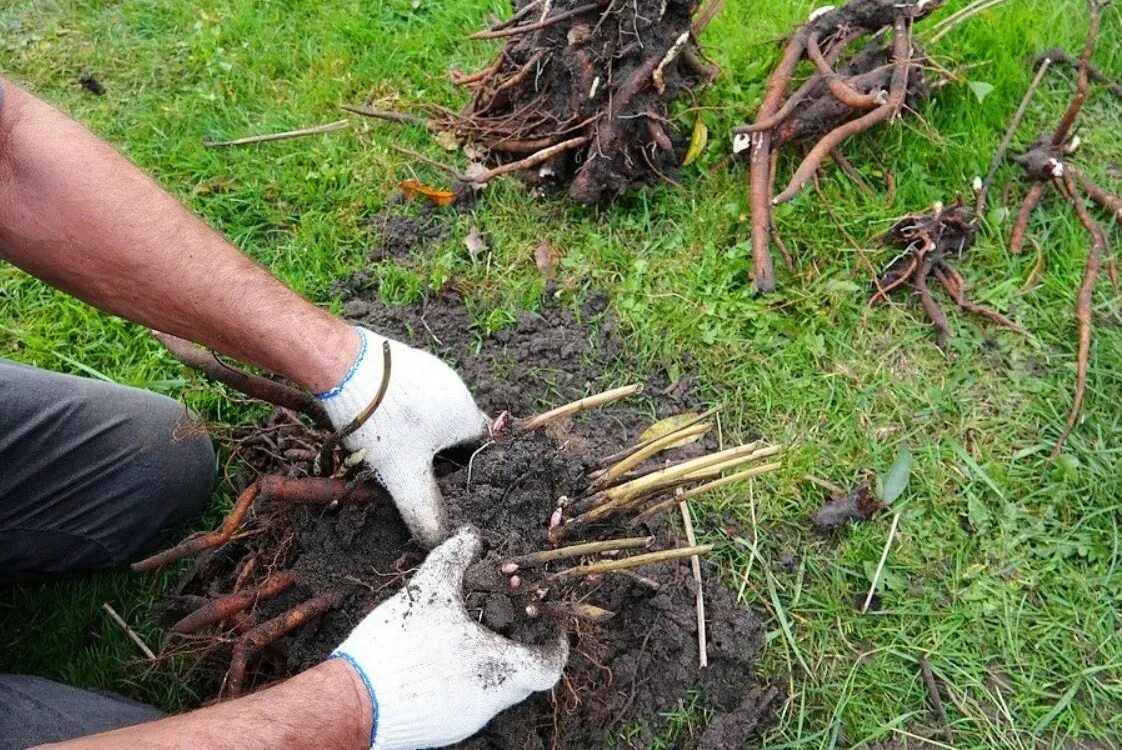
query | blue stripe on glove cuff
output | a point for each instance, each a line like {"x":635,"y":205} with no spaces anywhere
{"x":350,"y":373}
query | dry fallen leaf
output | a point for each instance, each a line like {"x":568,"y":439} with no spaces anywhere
{"x":216,"y":185}
{"x":698,"y":139}
{"x":412,"y":189}
{"x":669,"y":425}
{"x":546,"y":258}
{"x":447,"y":139}
{"x":475,"y":242}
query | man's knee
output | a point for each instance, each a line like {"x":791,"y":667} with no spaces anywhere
{"x":94,"y":471}
{"x":167,"y":470}
{"x":180,"y":460}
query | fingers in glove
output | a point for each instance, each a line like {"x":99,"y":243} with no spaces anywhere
{"x":412,"y":485}
{"x":474,"y":427}
{"x":528,"y":668}
{"x":444,"y":568}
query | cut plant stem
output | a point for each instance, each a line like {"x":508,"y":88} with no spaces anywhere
{"x":650,"y":558}
{"x":620,"y":455}
{"x":132,"y":634}
{"x":316,"y":130}
{"x":718,"y":469}
{"x":589,"y":402}
{"x":695,"y":565}
{"x":657,"y":446}
{"x":566,"y":610}
{"x":576,"y":550}
{"x":611,"y":501}
{"x":666,"y":505}
{"x":670,"y":474}
{"x":880,"y":565}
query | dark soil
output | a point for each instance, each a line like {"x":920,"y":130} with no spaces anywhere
{"x":859,"y":505}
{"x":90,"y":83}
{"x":595,"y":73}
{"x":626,"y":673}
{"x":403,"y":229}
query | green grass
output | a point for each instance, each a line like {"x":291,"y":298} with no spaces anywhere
{"x":1004,"y":569}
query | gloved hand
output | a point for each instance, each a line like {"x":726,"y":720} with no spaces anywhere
{"x":426,"y":409}
{"x":435,"y":675}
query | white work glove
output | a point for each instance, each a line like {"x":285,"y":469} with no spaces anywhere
{"x":435,"y":675}
{"x":426,"y":409}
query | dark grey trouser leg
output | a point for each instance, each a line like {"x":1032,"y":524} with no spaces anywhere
{"x":34,"y":711}
{"x":91,"y":473}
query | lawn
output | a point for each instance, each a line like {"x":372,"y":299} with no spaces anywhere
{"x":1003,"y":572}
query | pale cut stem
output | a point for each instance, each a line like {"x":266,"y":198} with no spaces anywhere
{"x":718,"y":469}
{"x":664,"y":443}
{"x":610,"y":506}
{"x":695,"y":563}
{"x":667,"y":504}
{"x":589,"y":402}
{"x":604,"y":503}
{"x":651,"y":558}
{"x":880,"y":565}
{"x":132,"y":634}
{"x":575,"y":610}
{"x":620,"y":455}
{"x":575,"y":550}
{"x":316,"y":130}
{"x":659,"y":478}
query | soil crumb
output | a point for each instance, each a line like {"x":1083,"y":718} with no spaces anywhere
{"x":90,"y":83}
{"x":859,"y":505}
{"x":403,"y":229}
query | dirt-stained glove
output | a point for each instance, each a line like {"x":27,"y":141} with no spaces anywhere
{"x":426,"y":409}
{"x":435,"y":675}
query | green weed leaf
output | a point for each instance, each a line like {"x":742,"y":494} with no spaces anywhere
{"x":981,"y":89}
{"x":893,"y":484}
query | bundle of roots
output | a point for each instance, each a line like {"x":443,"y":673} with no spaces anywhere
{"x":849,"y":93}
{"x":1047,"y":162}
{"x":928,"y":243}
{"x":579,"y":96}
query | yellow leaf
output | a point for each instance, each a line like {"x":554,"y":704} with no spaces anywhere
{"x":413,"y":188}
{"x":447,"y":140}
{"x":698,"y":139}
{"x":669,"y":425}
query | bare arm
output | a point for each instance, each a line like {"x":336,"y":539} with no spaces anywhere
{"x":326,"y":707}
{"x":78,"y":215}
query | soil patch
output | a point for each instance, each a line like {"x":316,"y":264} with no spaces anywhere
{"x":403,"y":229}
{"x":624,"y":674}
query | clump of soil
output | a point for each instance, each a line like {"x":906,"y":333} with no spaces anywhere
{"x":849,"y":93}
{"x":579,"y":95}
{"x":928,"y":244}
{"x":402,"y":230}
{"x":90,"y":83}
{"x":625,"y":673}
{"x":860,"y":504}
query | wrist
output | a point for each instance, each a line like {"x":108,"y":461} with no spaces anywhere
{"x":352,"y":690}
{"x":339,"y":353}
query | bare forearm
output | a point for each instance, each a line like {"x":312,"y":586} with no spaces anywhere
{"x":81,"y":217}
{"x":325,"y":707}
